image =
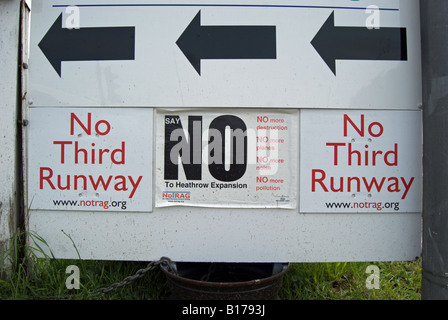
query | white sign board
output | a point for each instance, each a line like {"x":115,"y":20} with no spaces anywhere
{"x":90,"y":160}
{"x":245,"y":159}
{"x":293,"y":54}
{"x":244,"y":131}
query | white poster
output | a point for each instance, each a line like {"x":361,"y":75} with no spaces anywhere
{"x":360,"y":161}
{"x":90,"y":159}
{"x":227,"y":158}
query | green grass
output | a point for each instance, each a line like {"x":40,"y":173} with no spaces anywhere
{"x":347,"y":281}
{"x":45,"y":278}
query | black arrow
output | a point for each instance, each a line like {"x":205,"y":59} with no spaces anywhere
{"x":359,"y":43}
{"x":226,"y":42}
{"x":87,"y":44}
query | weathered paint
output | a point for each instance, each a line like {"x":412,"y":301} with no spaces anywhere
{"x":9,"y":44}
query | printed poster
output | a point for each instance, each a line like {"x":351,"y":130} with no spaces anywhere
{"x":226,"y":158}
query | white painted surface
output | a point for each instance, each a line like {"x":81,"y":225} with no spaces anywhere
{"x":204,"y":234}
{"x":161,"y":76}
{"x":9,"y":37}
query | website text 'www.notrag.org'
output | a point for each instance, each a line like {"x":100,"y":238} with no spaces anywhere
{"x":91,"y":203}
{"x":379,"y":206}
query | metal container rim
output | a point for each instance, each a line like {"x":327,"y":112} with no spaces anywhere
{"x":272,"y":278}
